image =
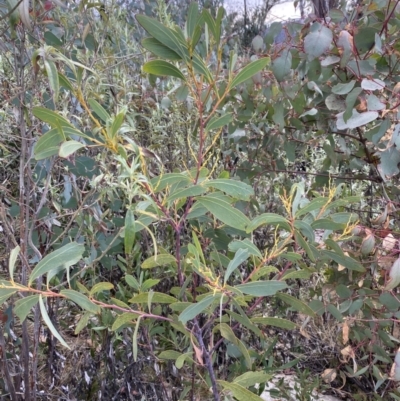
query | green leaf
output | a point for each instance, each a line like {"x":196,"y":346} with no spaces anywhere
{"x":193,"y":190}
{"x":249,"y":379}
{"x":65,"y":256}
{"x":318,"y":41}
{"x":239,"y":392}
{"x":302,"y":274}
{"x":13,"y":259}
{"x":344,"y":260}
{"x":99,"y":110}
{"x":248,"y":71}
{"x":217,"y":122}
{"x":6,"y":293}
{"x":335,"y":312}
{"x":282,"y":65}
{"x":275,"y":321}
{"x":326,"y":224}
{"x":244,"y":320}
{"x":192,"y":19}
{"x":70,"y":147}
{"x":169,"y":354}
{"x":159,"y":260}
{"x":134,"y":340}
{"x":296,"y":304}
{"x":24,"y":305}
{"x":240,"y":256}
{"x":51,"y":117}
{"x":303,"y":243}
{"x":195,"y":309}
{"x":156,"y":47}
{"x":83,"y":322}
{"x":225,"y":212}
{"x":210,"y":22}
{"x":166,"y":180}
{"x":100,"y":287}
{"x":305,"y":229}
{"x":117,"y":122}
{"x":82,"y":300}
{"x":132,"y":282}
{"x":161,"y":67}
{"x":227,"y":333}
{"x":48,"y":144}
{"x":343,"y":89}
{"x":129,"y":237}
{"x":158,"y":297}
{"x":356,"y":120}
{"x":49,"y":324}
{"x":245,"y":244}
{"x":64,"y":81}
{"x":234,"y":188}
{"x":124,"y":319}
{"x":315,"y":204}
{"x":269,"y":219}
{"x":262,"y":288}
{"x":163,"y":34}
{"x":52,"y":74}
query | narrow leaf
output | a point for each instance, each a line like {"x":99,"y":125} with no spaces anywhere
{"x":134,"y":340}
{"x":193,"y":310}
{"x":52,"y":74}
{"x":262,"y":288}
{"x":49,"y":323}
{"x":82,"y":300}
{"x":129,"y":238}
{"x":237,"y":189}
{"x":13,"y":259}
{"x":219,"y":121}
{"x":99,"y":110}
{"x":24,"y":305}
{"x":157,"y":297}
{"x":50,"y":117}
{"x":245,"y":244}
{"x":240,"y":256}
{"x":269,"y":219}
{"x":344,"y":260}
{"x":239,"y":392}
{"x":275,"y":321}
{"x":65,"y":256}
{"x":124,"y":319}
{"x":296,"y":304}
{"x":225,"y":212}
{"x":99,"y":287}
{"x":194,"y":190}
{"x":48,"y":144}
{"x":161,"y":67}
{"x":157,"y":48}
{"x":248,"y":71}
{"x":158,"y":260}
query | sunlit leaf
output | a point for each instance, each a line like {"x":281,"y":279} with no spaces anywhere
{"x":69,"y":147}
{"x":239,"y":392}
{"x":158,"y":260}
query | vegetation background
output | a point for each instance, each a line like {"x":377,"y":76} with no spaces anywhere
{"x":192,"y":204}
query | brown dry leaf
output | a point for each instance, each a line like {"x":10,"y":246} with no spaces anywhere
{"x":198,"y":352}
{"x":360,"y":283}
{"x":329,"y":375}
{"x":389,"y":242}
{"x":304,"y":333}
{"x":345,"y":331}
{"x":348,"y":352}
